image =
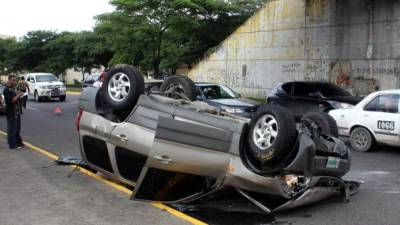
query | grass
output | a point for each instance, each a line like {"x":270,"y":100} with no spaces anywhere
{"x":259,"y":100}
{"x":74,"y":89}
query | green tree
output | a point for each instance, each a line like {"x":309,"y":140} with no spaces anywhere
{"x":167,"y":33}
{"x":91,"y":51}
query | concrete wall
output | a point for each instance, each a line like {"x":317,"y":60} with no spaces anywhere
{"x":353,"y":43}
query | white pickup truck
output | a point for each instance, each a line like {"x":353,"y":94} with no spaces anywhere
{"x":45,"y":85}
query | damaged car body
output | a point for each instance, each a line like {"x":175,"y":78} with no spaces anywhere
{"x":173,"y":149}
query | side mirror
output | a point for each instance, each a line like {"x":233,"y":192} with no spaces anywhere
{"x":199,"y":98}
{"x":239,"y":95}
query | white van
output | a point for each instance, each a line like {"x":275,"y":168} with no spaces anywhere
{"x":45,"y":85}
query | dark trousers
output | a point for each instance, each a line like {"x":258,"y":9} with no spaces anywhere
{"x":24,"y":99}
{"x":13,"y":130}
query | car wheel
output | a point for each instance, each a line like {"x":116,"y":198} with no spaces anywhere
{"x":272,"y":133}
{"x":323,"y":121}
{"x":361,"y":139}
{"x":179,"y":87}
{"x":122,"y":88}
{"x":62,"y":98}
{"x":36,"y":97}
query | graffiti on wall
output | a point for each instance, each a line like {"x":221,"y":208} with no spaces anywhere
{"x":357,"y":81}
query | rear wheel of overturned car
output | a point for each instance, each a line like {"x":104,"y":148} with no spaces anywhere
{"x":361,"y":139}
{"x":179,"y":87}
{"x":323,"y":122}
{"x":272,"y":134}
{"x":122,"y":88}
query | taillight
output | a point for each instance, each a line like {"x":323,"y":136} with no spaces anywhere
{"x":78,"y":119}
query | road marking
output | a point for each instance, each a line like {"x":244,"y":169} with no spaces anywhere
{"x":113,"y":184}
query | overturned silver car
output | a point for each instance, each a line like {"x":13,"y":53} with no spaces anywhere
{"x":173,"y":149}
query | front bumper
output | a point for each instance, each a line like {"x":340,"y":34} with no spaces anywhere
{"x":52,"y":93}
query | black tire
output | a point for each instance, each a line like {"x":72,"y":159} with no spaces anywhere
{"x":325,"y":123}
{"x":179,"y":87}
{"x":361,"y":139}
{"x":36,"y":97}
{"x":62,"y":98}
{"x":274,"y":149}
{"x":116,"y":92}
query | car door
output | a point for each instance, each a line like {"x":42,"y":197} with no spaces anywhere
{"x":382,"y":115}
{"x":187,"y":159}
{"x":132,"y":139}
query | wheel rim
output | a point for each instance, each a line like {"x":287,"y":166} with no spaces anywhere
{"x":265,"y":132}
{"x":119,"y":87}
{"x":360,"y":139}
{"x":175,"y":90}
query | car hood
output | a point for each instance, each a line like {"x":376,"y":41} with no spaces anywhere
{"x":353,"y":100}
{"x":234,"y":102}
{"x":50,"y":83}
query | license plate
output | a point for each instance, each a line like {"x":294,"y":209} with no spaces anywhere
{"x":386,"y":125}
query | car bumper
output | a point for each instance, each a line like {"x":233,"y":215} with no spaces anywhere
{"x":51,"y":93}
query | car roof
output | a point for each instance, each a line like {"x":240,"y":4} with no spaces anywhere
{"x":393,"y":91}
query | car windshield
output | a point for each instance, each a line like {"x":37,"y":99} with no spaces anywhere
{"x":330,"y":90}
{"x":46,"y":78}
{"x":217,"y":92}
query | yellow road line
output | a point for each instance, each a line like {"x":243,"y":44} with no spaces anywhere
{"x":113,"y":184}
{"x":73,"y":92}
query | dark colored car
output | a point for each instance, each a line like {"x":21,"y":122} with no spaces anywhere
{"x":222,"y":97}
{"x":90,"y":80}
{"x":303,"y":97}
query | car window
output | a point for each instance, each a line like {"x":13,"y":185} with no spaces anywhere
{"x":46,"y":78}
{"x":303,"y":89}
{"x":330,"y":90}
{"x":217,"y":92}
{"x":384,"y":103}
{"x":287,"y":88}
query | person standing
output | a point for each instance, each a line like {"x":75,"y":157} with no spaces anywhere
{"x":13,"y":113}
{"x":23,"y":86}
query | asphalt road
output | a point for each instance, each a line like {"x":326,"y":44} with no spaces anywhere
{"x":376,"y":203}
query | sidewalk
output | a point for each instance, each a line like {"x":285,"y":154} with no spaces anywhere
{"x":36,"y":191}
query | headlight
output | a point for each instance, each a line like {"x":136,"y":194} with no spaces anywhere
{"x":341,"y":105}
{"x":43,"y":86}
{"x":232,"y":110}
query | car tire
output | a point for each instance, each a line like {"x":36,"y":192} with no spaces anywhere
{"x":272,"y":134}
{"x":361,"y":139}
{"x":36,"y":97}
{"x":325,"y":123}
{"x":122,"y":88}
{"x":179,"y":87}
{"x":62,"y":98}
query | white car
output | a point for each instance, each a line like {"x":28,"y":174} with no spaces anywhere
{"x":45,"y":85}
{"x":376,"y":119}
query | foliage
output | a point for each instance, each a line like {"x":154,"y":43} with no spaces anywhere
{"x":153,"y":35}
{"x":169,"y":33}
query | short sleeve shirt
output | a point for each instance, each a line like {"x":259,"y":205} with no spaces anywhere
{"x":9,"y":94}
